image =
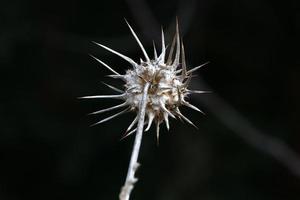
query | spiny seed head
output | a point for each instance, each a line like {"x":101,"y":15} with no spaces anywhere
{"x":168,"y":79}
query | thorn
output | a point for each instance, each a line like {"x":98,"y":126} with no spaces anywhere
{"x":177,"y":55}
{"x":166,"y":120}
{"x":163,"y":46}
{"x":198,"y":91}
{"x":185,"y":118}
{"x":155,"y":52}
{"x":150,"y":120}
{"x":109,"y":109}
{"x":157,"y":133}
{"x":179,"y":95}
{"x":187,"y":82}
{"x":166,"y":110}
{"x":125,"y":135}
{"x":192,"y":107}
{"x":183,"y":75}
{"x":196,"y":68}
{"x":104,"y":64}
{"x":131,"y":88}
{"x":178,"y":71}
{"x":111,"y":117}
{"x":119,"y":96}
{"x":138,"y":41}
{"x":113,"y":88}
{"x":117,"y":76}
{"x":118,"y":54}
{"x":171,"y":51}
{"x":132,"y":124}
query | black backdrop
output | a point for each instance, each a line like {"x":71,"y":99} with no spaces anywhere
{"x":246,"y":147}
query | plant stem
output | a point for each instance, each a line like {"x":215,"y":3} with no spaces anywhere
{"x":133,"y":165}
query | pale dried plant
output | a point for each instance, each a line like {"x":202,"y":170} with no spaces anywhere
{"x":154,"y":88}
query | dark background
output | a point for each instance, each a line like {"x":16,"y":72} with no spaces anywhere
{"x":246,"y":147}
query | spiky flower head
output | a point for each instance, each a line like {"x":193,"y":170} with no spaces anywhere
{"x":168,"y":78}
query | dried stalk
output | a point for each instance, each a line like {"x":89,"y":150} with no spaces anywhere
{"x":165,"y":76}
{"x":133,"y":165}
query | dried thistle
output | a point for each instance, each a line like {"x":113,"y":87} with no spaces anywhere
{"x":155,"y":88}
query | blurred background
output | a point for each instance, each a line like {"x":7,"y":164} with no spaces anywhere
{"x":246,"y":147}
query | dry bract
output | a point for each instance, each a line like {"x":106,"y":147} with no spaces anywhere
{"x":168,"y":78}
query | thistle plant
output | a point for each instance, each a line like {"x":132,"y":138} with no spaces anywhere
{"x":154,"y":89}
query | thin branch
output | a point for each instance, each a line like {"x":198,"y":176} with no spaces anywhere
{"x":237,"y":123}
{"x":133,"y":165}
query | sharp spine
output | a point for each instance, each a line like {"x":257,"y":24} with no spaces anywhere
{"x":198,"y":91}
{"x":169,"y":61}
{"x":187,"y":82}
{"x":183,"y":62}
{"x":132,"y":124}
{"x":150,"y":120}
{"x":139,"y":42}
{"x":117,"y":76}
{"x":118,"y":54}
{"x":113,"y":88}
{"x":111,"y":117}
{"x":177,"y":54}
{"x":157,"y":132}
{"x":119,"y":96}
{"x":105,"y":65}
{"x":192,"y":107}
{"x":185,"y":118}
{"x":166,"y":110}
{"x":196,"y":68}
{"x":127,"y":134}
{"x":167,"y":120}
{"x":109,"y":109}
{"x":154,"y":51}
{"x":163,"y":46}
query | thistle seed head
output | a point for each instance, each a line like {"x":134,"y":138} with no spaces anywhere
{"x":168,"y":78}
